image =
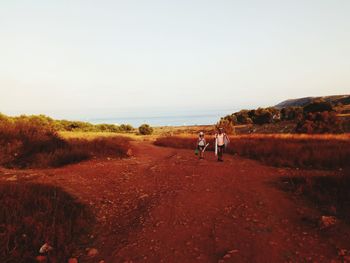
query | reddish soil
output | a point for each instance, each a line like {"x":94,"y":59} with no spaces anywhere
{"x":165,"y":205}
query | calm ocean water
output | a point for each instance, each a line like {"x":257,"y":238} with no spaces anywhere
{"x":177,"y":120}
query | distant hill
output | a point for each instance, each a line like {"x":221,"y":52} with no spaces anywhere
{"x":343,"y":99}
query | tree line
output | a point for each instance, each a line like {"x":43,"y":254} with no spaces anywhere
{"x":319,"y":116}
{"x":66,"y":125}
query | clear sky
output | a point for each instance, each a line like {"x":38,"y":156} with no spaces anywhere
{"x":79,"y":57}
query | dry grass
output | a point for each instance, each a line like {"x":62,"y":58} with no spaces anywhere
{"x":330,"y":194}
{"x":306,"y":151}
{"x":95,"y":135}
{"x":25,"y":144}
{"x":33,"y":214}
{"x":178,"y":130}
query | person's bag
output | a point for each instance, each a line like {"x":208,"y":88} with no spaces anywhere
{"x":196,"y":152}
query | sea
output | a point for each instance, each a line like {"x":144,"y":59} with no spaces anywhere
{"x":166,"y":120}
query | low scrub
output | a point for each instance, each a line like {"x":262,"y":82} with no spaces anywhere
{"x":145,"y":129}
{"x":34,"y":214}
{"x":66,"y":125}
{"x":329,"y":193}
{"x":306,"y":151}
{"x":32,"y":143}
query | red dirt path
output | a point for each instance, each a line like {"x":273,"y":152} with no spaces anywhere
{"x":164,"y":205}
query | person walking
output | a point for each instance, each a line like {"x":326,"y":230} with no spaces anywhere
{"x":201,"y":145}
{"x":221,"y":141}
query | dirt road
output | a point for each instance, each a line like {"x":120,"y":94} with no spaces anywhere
{"x":165,"y":205}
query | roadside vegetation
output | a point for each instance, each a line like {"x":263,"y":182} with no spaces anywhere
{"x":34,"y":214}
{"x":329,"y":193}
{"x":291,"y":150}
{"x":145,"y":129}
{"x":34,"y":142}
{"x":318,"y":116}
{"x":71,"y":126}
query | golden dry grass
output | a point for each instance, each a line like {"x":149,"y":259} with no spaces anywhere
{"x":94,"y":135}
{"x":328,"y":151}
{"x":25,"y":144}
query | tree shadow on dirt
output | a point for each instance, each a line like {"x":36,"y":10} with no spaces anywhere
{"x":33,"y":214}
{"x":329,"y":194}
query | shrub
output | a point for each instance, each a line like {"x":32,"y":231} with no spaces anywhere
{"x":243,"y":117}
{"x":126,"y":128}
{"x":33,"y":142}
{"x":21,"y":139}
{"x":318,"y":106}
{"x":319,"y":122}
{"x":65,"y":125}
{"x":262,"y":116}
{"x":145,"y":129}
{"x":230,"y":118}
{"x":258,"y":116}
{"x":329,"y":193}
{"x":33,"y":214}
{"x":312,"y":151}
{"x":291,"y":113}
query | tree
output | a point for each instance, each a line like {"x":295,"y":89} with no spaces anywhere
{"x":243,"y":117}
{"x":291,"y":113}
{"x":318,"y":106}
{"x":145,"y":129}
{"x":320,"y":122}
{"x":262,"y":116}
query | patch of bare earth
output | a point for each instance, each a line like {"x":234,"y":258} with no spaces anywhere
{"x":164,"y":205}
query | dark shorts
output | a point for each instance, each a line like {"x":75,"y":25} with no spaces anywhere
{"x":201,"y":148}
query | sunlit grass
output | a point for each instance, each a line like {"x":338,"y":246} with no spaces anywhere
{"x":327,"y":151}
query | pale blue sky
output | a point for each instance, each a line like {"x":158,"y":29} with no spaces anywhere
{"x":83,"y":57}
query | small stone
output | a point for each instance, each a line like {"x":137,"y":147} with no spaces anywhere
{"x":227,"y":256}
{"x":327,"y":221}
{"x":45,"y":248}
{"x":92,"y":252}
{"x":129,"y":152}
{"x":72,"y":260}
{"x":143,"y":196}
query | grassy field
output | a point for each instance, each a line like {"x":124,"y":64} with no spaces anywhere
{"x":292,"y":150}
{"x":25,"y":144}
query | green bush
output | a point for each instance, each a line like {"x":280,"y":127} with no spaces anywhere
{"x":291,"y":113}
{"x":262,"y":116}
{"x":33,"y":141}
{"x":126,"y":128}
{"x":320,"y":122}
{"x":145,"y":129}
{"x":318,"y":106}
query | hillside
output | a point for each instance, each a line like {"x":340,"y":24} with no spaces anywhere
{"x":343,"y":99}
